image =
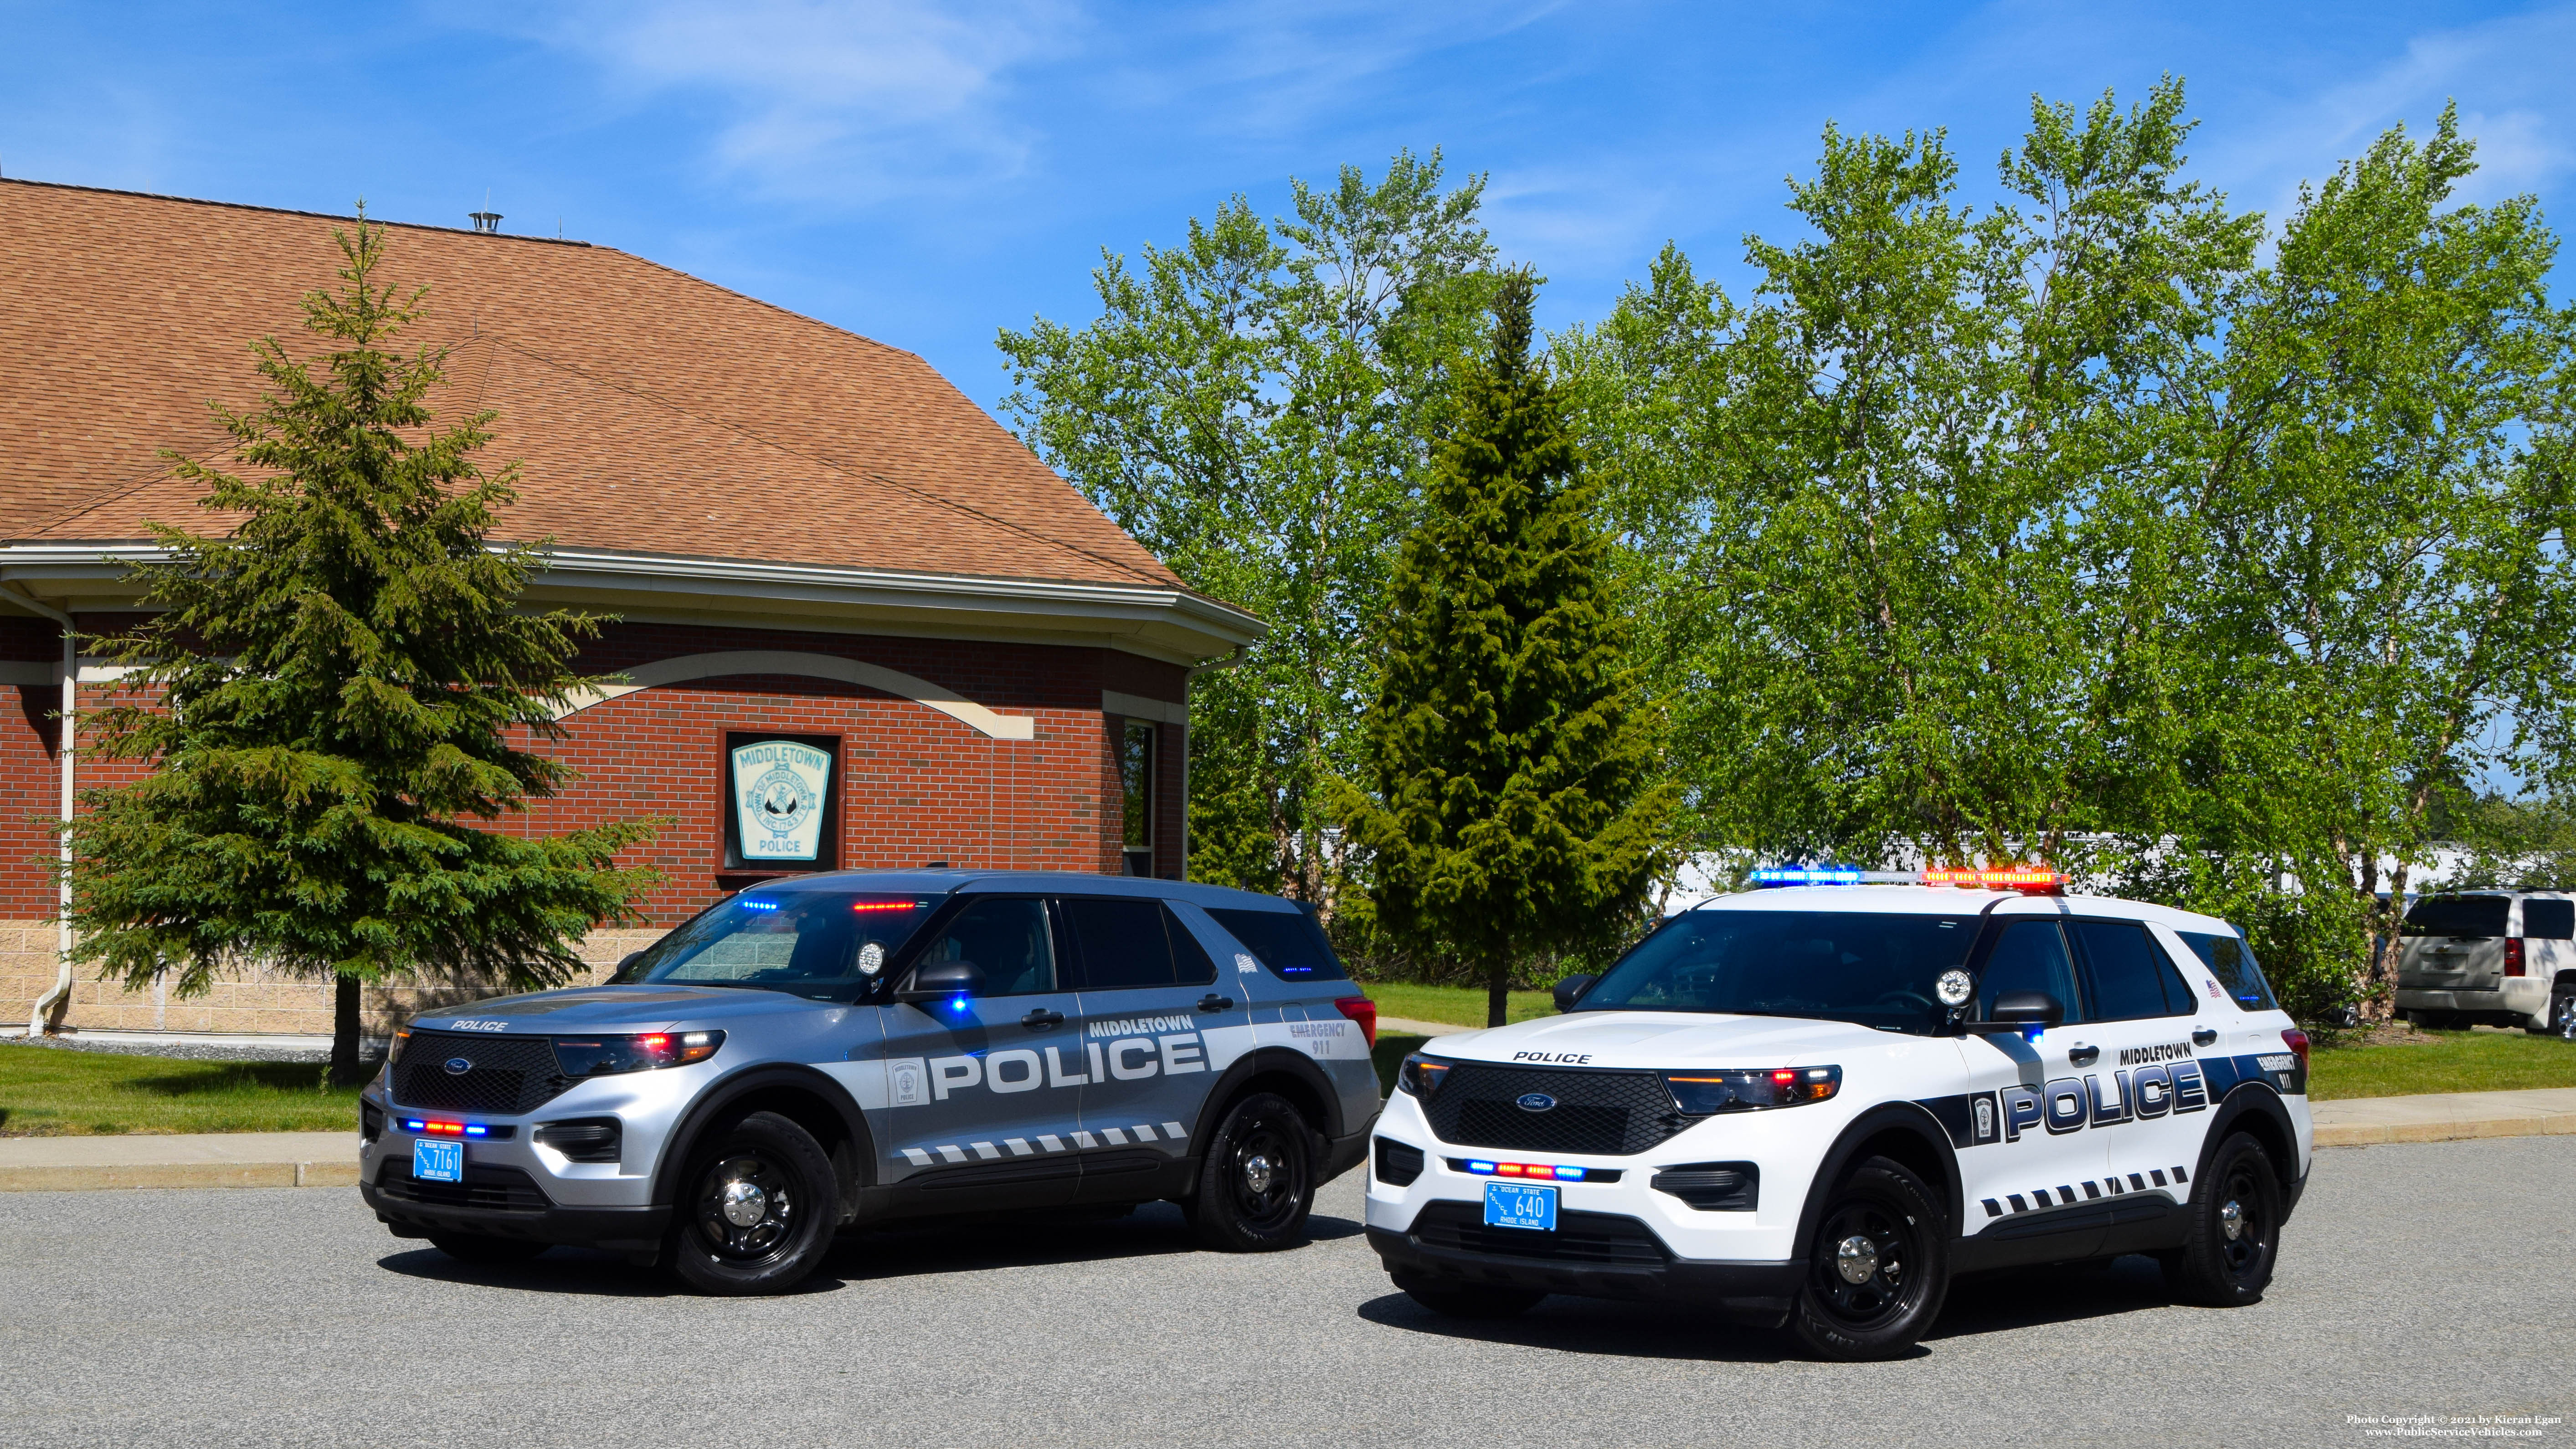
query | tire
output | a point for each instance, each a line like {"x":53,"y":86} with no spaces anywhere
{"x":757,"y":1209}
{"x":1882,"y":1222}
{"x":2561,"y":1019}
{"x":2233,"y":1235}
{"x":479,"y":1248}
{"x":1257,"y":1182}
{"x":1459,"y":1300}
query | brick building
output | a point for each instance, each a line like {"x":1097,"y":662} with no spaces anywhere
{"x":859,"y":624}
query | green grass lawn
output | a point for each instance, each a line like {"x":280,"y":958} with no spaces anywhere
{"x":49,"y":1092}
{"x":1451,"y":1005}
{"x":2456,"y":1061}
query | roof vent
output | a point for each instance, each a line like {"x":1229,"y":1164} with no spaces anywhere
{"x":486,"y":221}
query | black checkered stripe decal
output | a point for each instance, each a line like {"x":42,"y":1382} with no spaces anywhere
{"x":2066,"y":1196}
{"x":1046,"y":1142}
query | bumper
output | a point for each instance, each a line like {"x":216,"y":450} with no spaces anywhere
{"x":620,"y":1230}
{"x":1341,"y":1154}
{"x":1754,"y":1293}
{"x":2516,"y":999}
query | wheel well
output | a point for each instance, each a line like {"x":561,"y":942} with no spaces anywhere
{"x":2564,"y":978}
{"x":807,"y":1109}
{"x":2267,"y":1133}
{"x":1908,"y":1148}
{"x":1301,"y":1094}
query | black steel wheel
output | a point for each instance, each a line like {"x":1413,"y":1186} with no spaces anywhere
{"x":1257,"y":1183}
{"x":757,"y":1209}
{"x":2234,"y":1232}
{"x":1878,"y":1268}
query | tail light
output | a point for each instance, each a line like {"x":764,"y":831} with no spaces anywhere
{"x":2513,"y":955}
{"x":2297,"y":1041}
{"x":1363,"y":1011}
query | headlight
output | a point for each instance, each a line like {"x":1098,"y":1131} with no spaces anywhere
{"x":603,"y":1056}
{"x":1421,"y":1075}
{"x":393,"y":1049}
{"x":1702,"y":1094}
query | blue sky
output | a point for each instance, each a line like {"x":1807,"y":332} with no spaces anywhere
{"x":926,"y":173}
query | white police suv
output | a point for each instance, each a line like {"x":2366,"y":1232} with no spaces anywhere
{"x":1814,"y":1104}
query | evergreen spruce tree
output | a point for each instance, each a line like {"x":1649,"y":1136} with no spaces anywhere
{"x":1511,"y":811}
{"x":326,"y":698}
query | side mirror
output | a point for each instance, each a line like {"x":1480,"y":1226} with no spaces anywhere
{"x":1571,"y":989}
{"x":2019,"y":1011}
{"x":627,"y":962}
{"x":942,"y":979}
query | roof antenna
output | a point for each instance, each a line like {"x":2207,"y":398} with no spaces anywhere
{"x":487,"y":220}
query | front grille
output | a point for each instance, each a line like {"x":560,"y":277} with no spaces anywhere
{"x":1397,"y":1164}
{"x":509,"y":1075}
{"x":501,"y":1189}
{"x":1579,"y":1237}
{"x":1611,"y":1114}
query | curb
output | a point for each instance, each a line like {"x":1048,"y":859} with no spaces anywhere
{"x":2367,"y":1134}
{"x":179,"y":1174}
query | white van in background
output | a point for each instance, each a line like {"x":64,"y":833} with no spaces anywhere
{"x":2492,"y":958}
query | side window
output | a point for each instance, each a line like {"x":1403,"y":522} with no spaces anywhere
{"x":2126,"y":972}
{"x":1191,"y":963}
{"x":1122,"y":943}
{"x":2232,"y":962}
{"x":2029,"y":956}
{"x":1288,"y":942}
{"x":2549,"y":920}
{"x":1009,"y":939}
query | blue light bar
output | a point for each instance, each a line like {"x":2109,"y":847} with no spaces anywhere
{"x":471,"y":1130}
{"x":760,"y":905}
{"x":1772,"y":876}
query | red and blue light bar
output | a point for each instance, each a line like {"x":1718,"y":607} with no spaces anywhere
{"x":2035,"y":879}
{"x":1538,"y":1171}
{"x":432,"y":1127}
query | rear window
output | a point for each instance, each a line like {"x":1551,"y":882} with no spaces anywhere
{"x":2457,"y":916}
{"x":2232,"y":962}
{"x":1288,"y":942}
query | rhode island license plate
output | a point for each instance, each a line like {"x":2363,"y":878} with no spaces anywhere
{"x":1511,"y":1205}
{"x":433,"y":1161}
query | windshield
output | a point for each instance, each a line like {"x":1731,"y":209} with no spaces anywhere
{"x":1868,"y":968}
{"x":2457,"y":916}
{"x":828,"y":944}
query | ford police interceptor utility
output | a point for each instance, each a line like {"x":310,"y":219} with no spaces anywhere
{"x":836,"y":1051}
{"x":1812,"y":1105}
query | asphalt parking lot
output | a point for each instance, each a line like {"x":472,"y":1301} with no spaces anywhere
{"x":2430,"y":1279}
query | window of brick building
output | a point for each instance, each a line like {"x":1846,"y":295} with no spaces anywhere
{"x":1136,"y":782}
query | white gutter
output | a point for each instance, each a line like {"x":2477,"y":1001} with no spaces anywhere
{"x":71,"y":704}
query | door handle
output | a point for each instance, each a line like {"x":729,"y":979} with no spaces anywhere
{"x":2082,"y":1055}
{"x":1214,"y":1002}
{"x":1042,"y":1018}
{"x":2203,"y":1035}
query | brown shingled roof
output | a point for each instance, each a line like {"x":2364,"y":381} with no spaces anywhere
{"x":652,"y":412}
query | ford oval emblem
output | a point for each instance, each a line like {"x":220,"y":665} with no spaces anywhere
{"x":458,"y":1066}
{"x":1535,"y":1101}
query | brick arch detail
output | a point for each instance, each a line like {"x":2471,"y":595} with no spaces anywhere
{"x":818,"y":666}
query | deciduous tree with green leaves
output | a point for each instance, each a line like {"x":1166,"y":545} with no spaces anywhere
{"x":1256,"y":405}
{"x":327,"y":696}
{"x":1509,"y":810}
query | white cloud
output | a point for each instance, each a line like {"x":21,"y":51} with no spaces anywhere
{"x":2508,"y":75}
{"x":861,"y":99}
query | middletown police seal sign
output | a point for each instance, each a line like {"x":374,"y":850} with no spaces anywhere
{"x":778,"y":799}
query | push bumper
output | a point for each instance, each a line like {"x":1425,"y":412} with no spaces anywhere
{"x":1751,"y":1293}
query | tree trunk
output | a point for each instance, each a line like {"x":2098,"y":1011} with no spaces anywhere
{"x":346,"y":1068}
{"x":1498,"y":993}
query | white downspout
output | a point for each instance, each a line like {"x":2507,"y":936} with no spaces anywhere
{"x":71,"y":702}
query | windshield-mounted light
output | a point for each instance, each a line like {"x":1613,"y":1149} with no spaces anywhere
{"x":1705,"y":1094}
{"x":1421,"y":1075}
{"x":607,"y":1056}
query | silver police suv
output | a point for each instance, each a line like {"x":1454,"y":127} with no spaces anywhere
{"x":834,"y":1052}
